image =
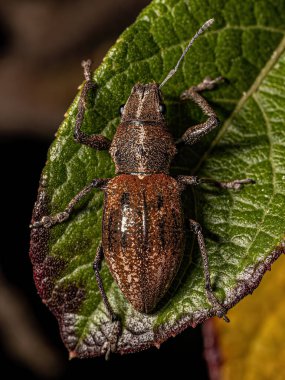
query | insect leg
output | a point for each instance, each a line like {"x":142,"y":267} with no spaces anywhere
{"x":193,"y":180}
{"x":97,"y":266}
{"x":94,"y":141}
{"x":195,"y":133}
{"x":221,"y":311}
{"x":48,"y":221}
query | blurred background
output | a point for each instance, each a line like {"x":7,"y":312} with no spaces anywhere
{"x":41,"y":46}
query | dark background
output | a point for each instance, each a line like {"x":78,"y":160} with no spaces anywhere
{"x":41,"y":46}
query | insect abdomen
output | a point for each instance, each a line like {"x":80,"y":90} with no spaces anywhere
{"x":143,"y":237}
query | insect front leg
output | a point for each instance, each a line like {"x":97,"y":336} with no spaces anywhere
{"x":221,"y":311}
{"x":94,"y":141}
{"x":48,"y":221}
{"x":235,"y":184}
{"x":195,"y":133}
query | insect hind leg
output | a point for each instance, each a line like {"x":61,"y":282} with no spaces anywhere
{"x":220,"y":309}
{"x":97,"y":266}
{"x":116,"y":329}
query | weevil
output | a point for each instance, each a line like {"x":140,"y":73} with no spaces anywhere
{"x":143,"y":236}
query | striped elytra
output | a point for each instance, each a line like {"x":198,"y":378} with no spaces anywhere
{"x":143,"y":237}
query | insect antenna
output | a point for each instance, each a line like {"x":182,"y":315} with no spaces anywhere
{"x":200,"y":31}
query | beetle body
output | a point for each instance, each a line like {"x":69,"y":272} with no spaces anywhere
{"x":143,"y":237}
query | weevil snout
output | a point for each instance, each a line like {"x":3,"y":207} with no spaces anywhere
{"x":144,"y":104}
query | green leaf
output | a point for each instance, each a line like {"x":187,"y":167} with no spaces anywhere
{"x":243,"y":229}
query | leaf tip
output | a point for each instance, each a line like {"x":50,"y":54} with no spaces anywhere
{"x":72,"y":355}
{"x":157,"y":345}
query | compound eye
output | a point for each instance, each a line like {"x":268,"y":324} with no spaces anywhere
{"x":162,"y":108}
{"x":121,"y":109}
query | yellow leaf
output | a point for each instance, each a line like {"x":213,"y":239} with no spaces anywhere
{"x":252,"y":346}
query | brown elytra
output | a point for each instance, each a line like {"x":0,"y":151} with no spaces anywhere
{"x":143,"y":236}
